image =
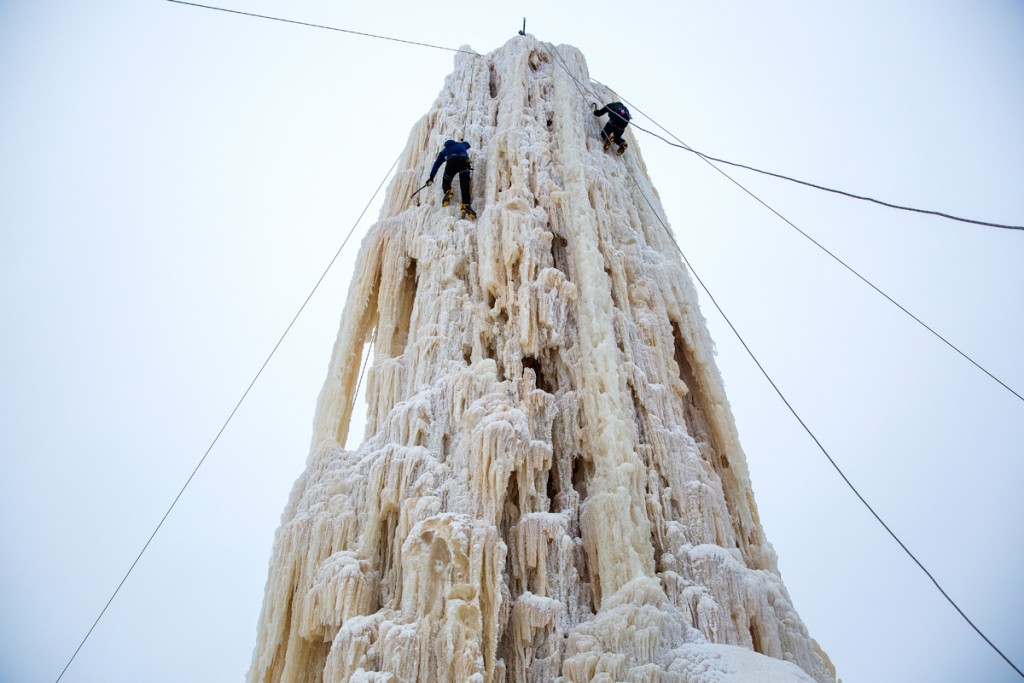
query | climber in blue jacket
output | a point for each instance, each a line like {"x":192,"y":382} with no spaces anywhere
{"x":456,"y":156}
{"x":618,"y":119}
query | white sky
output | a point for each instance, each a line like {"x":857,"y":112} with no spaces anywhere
{"x":174,"y":180}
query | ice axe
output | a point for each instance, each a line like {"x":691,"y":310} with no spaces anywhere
{"x":425,"y":186}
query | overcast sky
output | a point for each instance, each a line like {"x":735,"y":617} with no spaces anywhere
{"x":173,"y":181}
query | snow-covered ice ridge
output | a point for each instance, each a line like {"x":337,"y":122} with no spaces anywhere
{"x":551,"y":487}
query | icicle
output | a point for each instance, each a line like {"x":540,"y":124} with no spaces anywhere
{"x":550,"y":486}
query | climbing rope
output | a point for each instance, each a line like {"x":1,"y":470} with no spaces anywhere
{"x":584,"y":91}
{"x":682,"y":145}
{"x":227,"y":421}
{"x":807,"y":429}
{"x":844,"y":264}
{"x":362,"y":370}
{"x":707,"y":157}
{"x":790,"y":407}
{"x":328,"y":28}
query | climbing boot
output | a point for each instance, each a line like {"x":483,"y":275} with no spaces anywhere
{"x":447,"y":198}
{"x":467,"y":210}
{"x":622,"y":147}
{"x":607,"y":143}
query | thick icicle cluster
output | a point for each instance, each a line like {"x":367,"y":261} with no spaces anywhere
{"x":551,"y":485}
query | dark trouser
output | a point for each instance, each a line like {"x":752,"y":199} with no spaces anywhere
{"x":457,"y":167}
{"x":614,"y":132}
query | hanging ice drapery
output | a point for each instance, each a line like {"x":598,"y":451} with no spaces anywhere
{"x":551,"y":485}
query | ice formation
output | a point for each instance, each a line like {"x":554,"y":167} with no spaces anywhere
{"x":550,"y":487}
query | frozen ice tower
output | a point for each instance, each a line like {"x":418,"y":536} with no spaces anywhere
{"x":550,"y":486}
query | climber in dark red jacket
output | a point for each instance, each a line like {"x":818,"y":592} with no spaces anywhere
{"x":618,"y":119}
{"x":456,"y":154}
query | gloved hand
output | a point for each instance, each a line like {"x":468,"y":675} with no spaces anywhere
{"x":429,"y":182}
{"x":595,"y":113}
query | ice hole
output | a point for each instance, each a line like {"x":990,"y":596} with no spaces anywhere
{"x":755,"y":637}
{"x":510,"y":511}
{"x":580,"y":476}
{"x":491,"y":351}
{"x":696,"y":424}
{"x":358,"y":424}
{"x":542,"y":381}
{"x":406,"y":302}
{"x":493,"y":82}
{"x":560,"y":253}
{"x":552,"y":490}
